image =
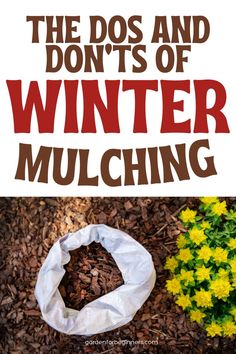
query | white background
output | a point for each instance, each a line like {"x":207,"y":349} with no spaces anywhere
{"x":214,"y":59}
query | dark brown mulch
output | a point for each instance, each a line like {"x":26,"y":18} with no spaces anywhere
{"x":29,"y":227}
{"x":91,"y":273}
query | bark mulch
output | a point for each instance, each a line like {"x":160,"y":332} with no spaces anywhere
{"x":29,"y":227}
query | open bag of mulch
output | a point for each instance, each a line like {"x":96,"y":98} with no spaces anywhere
{"x":109,"y":311}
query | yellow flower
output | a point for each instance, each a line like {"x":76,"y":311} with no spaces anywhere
{"x":188,"y":215}
{"x":234,"y":281}
{"x":229,"y":328}
{"x":220,"y":288}
{"x":233,"y":312}
{"x":185,"y":255}
{"x":222,"y":273}
{"x":205,"y":225}
{"x":219,"y":208}
{"x":232,"y":243}
{"x":197,"y":315}
{"x":209,"y":200}
{"x":173,"y":286}
{"x":197,"y":236}
{"x":233,"y":265}
{"x":220,"y":255}
{"x":203,"y":273}
{"x":203,"y":298}
{"x":184,"y":301}
{"x":181,"y":241}
{"x":205,"y":253}
{"x":186,"y":276}
{"x":171,"y":264}
{"x":213,"y":329}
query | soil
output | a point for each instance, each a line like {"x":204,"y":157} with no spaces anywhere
{"x":28,"y":229}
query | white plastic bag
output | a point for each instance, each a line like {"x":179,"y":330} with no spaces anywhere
{"x":109,"y":311}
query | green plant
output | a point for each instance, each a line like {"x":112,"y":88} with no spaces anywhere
{"x":203,"y":272}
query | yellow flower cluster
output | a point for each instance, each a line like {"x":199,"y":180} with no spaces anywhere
{"x":183,"y":301}
{"x":197,"y":236}
{"x":204,"y":253}
{"x":220,"y":255}
{"x":205,"y":225}
{"x":204,"y":269}
{"x":233,"y":265}
{"x":186,"y":276}
{"x":220,"y":288}
{"x":185,"y":255}
{"x":219,"y":208}
{"x":181,"y":241}
{"x":234,"y":281}
{"x":173,"y":286}
{"x":203,"y":273}
{"x":222,"y":273}
{"x":203,"y":298}
{"x":228,"y":329}
{"x":197,"y":315}
{"x":213,"y":329}
{"x":171,"y":264}
{"x":209,"y":200}
{"x":232,"y":243}
{"x":188,"y":215}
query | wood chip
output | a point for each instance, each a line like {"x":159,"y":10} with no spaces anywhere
{"x":32,"y":313}
{"x":6,"y":301}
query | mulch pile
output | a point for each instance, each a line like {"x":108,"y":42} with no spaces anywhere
{"x":29,"y":227}
{"x":91,"y":273}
